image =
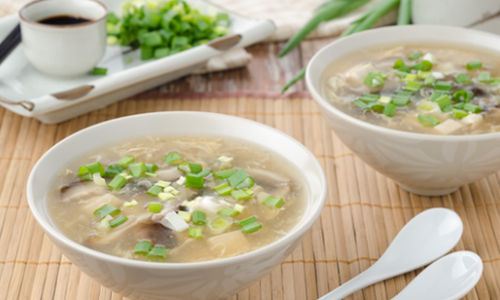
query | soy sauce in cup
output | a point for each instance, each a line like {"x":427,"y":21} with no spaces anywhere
{"x":64,"y":20}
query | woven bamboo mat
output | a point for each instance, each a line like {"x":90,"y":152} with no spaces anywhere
{"x":364,"y":210}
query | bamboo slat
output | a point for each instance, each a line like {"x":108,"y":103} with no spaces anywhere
{"x":363,"y":213}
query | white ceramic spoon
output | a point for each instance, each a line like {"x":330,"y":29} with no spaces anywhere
{"x":427,"y":237}
{"x":449,"y":278}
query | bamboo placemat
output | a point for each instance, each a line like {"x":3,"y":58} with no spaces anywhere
{"x":363,"y":214}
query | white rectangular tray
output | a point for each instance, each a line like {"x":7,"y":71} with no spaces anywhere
{"x":55,"y":99}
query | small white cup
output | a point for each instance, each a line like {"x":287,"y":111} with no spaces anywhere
{"x":64,"y":50}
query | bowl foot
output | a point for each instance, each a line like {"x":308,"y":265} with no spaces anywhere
{"x":427,"y":192}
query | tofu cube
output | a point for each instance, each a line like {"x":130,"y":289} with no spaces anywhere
{"x":448,"y":127}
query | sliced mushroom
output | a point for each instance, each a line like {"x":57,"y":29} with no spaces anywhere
{"x":116,"y":233}
{"x":81,"y":190}
{"x":265,"y":177}
{"x":171,"y":174}
{"x":156,"y":234}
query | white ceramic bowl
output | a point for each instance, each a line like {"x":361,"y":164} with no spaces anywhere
{"x":419,"y":163}
{"x":204,"y":280}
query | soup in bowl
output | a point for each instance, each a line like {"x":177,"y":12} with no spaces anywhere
{"x":177,"y":205}
{"x":420,"y":104}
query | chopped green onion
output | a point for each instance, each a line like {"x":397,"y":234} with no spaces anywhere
{"x":384,"y":99}
{"x":448,"y":108}
{"x":458,"y":113}
{"x":157,"y":253}
{"x":443,"y":86}
{"x":430,"y":80}
{"x":474,"y":65}
{"x":113,"y":170}
{"x":147,"y":174}
{"x":99,"y":71}
{"x":496,"y":81}
{"x":249,"y":225}
{"x":239,"y":208}
{"x":423,"y":74}
{"x":459,"y":105}
{"x":250,"y":192}
{"x":165,"y":196}
{"x":204,"y":173}
{"x":443,"y":101}
{"x":190,"y":167}
{"x":238,"y":177}
{"x":401,"y":74}
{"x":173,"y":158}
{"x":273,"y":202}
{"x":118,"y":221}
{"x":105,"y":210}
{"x":463,"y":79}
{"x":199,"y":218}
{"x":223,"y":189}
{"x":472,"y":108}
{"x":429,"y":121}
{"x":389,"y":110}
{"x":143,"y":248}
{"x":151,"y":168}
{"x":401,"y":66}
{"x":117,"y":183}
{"x":194,"y":180}
{"x":463,"y":95}
{"x":413,"y":86}
{"x":410,"y":77}
{"x":127,"y":160}
{"x":162,"y":183}
{"x":87,"y":171}
{"x":228,"y":212}
{"x":195,"y":232}
{"x":374,"y":79}
{"x":185,"y":215}
{"x":131,"y":203}
{"x":415,"y":56}
{"x":401,"y":98}
{"x":361,"y":104}
{"x":155,"y":207}
{"x":375,"y":106}
{"x":154,"y":190}
{"x":484,"y":78}
{"x":424,"y":65}
{"x":435,"y":95}
{"x":369,"y":98}
{"x":138,"y":170}
{"x":225,"y":174}
{"x":248,"y":182}
{"x":240,"y":195}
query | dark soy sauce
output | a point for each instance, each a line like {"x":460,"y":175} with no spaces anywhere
{"x":64,"y":20}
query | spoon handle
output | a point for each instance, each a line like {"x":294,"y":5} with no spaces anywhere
{"x":361,"y":281}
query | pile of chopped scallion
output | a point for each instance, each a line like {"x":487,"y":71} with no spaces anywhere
{"x":165,"y":27}
{"x":235,"y":183}
{"x":457,"y":104}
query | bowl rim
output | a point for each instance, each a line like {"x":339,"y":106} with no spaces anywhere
{"x":391,"y":30}
{"x":310,"y":219}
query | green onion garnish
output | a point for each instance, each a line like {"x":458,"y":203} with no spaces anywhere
{"x":113,"y":170}
{"x":223,"y":189}
{"x":117,"y":183}
{"x":361,"y":104}
{"x":424,"y":65}
{"x":375,"y":106}
{"x":173,"y":158}
{"x":443,"y":101}
{"x":199,"y":218}
{"x":118,"y":221}
{"x":248,"y":182}
{"x":127,"y":160}
{"x":228,"y":212}
{"x":401,"y":66}
{"x":474,"y":65}
{"x":374,"y":79}
{"x":429,"y":121}
{"x":472,"y":108}
{"x":463,"y":79}
{"x":194,"y":180}
{"x":105,"y":210}
{"x":389,"y":110}
{"x":484,"y":78}
{"x":87,"y":171}
{"x":157,"y":253}
{"x":238,"y":177}
{"x":459,"y":105}
{"x":458,"y":113}
{"x":448,"y":108}
{"x":443,"y":86}
{"x":369,"y":98}
{"x":423,"y":74}
{"x":155,"y":207}
{"x":415,"y":56}
{"x":273,"y":202}
{"x":249,"y":225}
{"x":410,"y":77}
{"x":225,"y":174}
{"x":496,"y":81}
{"x":402,"y":98}
{"x":154,"y":190}
{"x":429,"y":80}
{"x":190,"y":167}
{"x":195,"y":232}
{"x":99,"y":71}
{"x":143,"y":248}
{"x":413,"y":86}
{"x":138,"y":170}
{"x":240,"y":195}
{"x":435,"y":95}
{"x":463,"y":96}
{"x":401,"y":74}
{"x":151,"y":168}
